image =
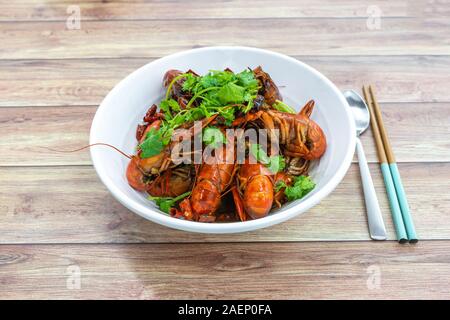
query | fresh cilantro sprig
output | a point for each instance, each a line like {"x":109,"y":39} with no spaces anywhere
{"x":217,"y":92}
{"x":156,"y":140}
{"x":301,"y":187}
{"x":213,"y":137}
{"x":165,"y":203}
{"x":168,"y":106}
{"x":152,"y":145}
{"x":274,"y":163}
{"x":219,"y":89}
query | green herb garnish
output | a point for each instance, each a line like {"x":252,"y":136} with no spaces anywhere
{"x":301,"y":187}
{"x":277,"y":163}
{"x":169,"y":105}
{"x":281,"y":106}
{"x":153,"y":144}
{"x":165,"y":203}
{"x":274,"y":163}
{"x":213,"y":137}
{"x":217,"y":92}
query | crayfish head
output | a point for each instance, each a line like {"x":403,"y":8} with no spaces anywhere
{"x":135,"y":176}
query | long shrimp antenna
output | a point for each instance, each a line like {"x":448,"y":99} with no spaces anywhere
{"x":88,"y":146}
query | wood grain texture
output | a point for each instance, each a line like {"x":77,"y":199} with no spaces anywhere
{"x":86,"y":82}
{"x":59,"y":10}
{"x":325,"y":37}
{"x":55,"y":215}
{"x":418,"y":132}
{"x":224,"y":271}
{"x":208,"y":9}
{"x":70,"y":205}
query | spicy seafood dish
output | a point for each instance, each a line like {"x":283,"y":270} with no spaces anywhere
{"x":224,"y":147}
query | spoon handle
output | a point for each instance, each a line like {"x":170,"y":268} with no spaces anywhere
{"x":376,"y":225}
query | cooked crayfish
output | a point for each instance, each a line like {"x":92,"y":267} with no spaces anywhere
{"x":172,"y":182}
{"x":213,"y":178}
{"x":300,"y":136}
{"x":140,"y":169}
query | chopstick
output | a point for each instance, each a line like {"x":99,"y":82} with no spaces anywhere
{"x":401,"y":216}
{"x":401,"y":195}
{"x":388,"y":182}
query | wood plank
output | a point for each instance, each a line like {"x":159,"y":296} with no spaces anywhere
{"x":419,"y":132}
{"x":57,"y":10}
{"x":62,"y":82}
{"x":86,"y":82}
{"x":113,"y":39}
{"x":47,"y":101}
{"x":31,"y":131}
{"x":70,"y":205}
{"x":208,"y":9}
{"x":366,"y":270}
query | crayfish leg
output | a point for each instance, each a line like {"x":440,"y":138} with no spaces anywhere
{"x":185,"y":211}
{"x":239,"y":204}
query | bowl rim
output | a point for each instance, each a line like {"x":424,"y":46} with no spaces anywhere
{"x":229,"y":227}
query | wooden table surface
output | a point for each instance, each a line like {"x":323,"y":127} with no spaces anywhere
{"x":62,"y":235}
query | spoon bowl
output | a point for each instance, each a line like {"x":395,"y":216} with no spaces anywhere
{"x":359,"y":110}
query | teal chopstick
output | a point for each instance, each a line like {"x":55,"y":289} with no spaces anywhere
{"x":396,"y":212}
{"x":397,"y":217}
{"x":407,"y":219}
{"x":389,"y":153}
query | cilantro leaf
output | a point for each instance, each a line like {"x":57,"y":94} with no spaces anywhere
{"x":274,"y":163}
{"x":152,"y":144}
{"x":165,"y":203}
{"x":280,"y":185}
{"x":277,"y":163}
{"x":169,"y":104}
{"x":259,"y":154}
{"x":195,"y":114}
{"x":177,"y":120}
{"x":281,"y":106}
{"x":231,"y":93}
{"x":213,"y":137}
{"x":190,"y":82}
{"x":218,"y":89}
{"x":227,"y":114}
{"x":301,"y":187}
{"x":217,"y":78}
{"x":247,"y":79}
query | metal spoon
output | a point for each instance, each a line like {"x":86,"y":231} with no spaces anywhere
{"x":361,"y":115}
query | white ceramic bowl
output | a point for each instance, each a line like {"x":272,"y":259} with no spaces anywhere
{"x":123,"y":108}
